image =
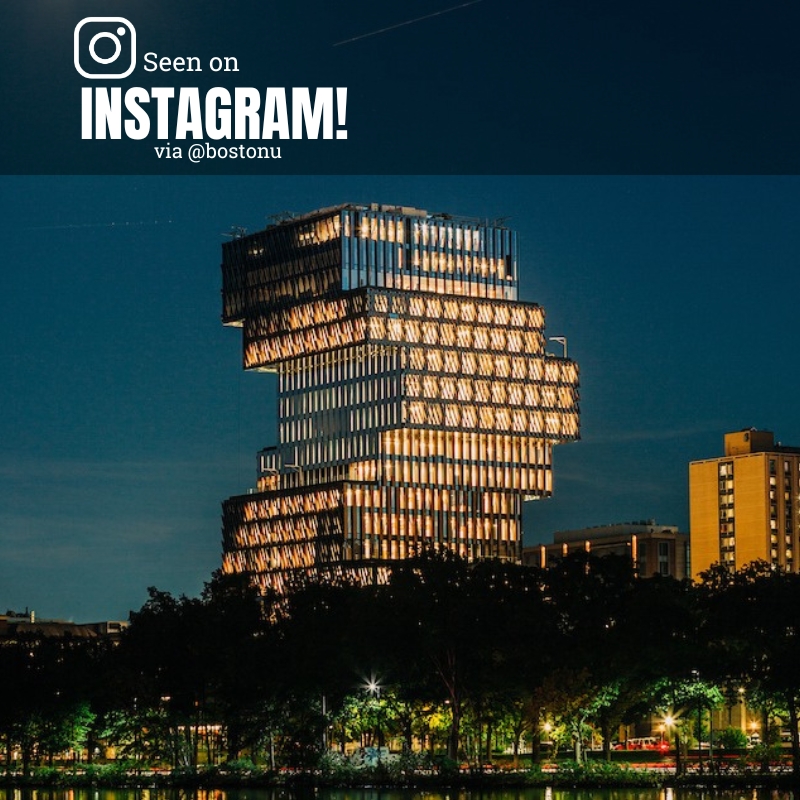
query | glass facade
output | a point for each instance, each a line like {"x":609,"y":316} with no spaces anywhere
{"x":417,"y":404}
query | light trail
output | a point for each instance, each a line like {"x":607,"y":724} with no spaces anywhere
{"x":407,"y":22}
{"x":77,"y":225}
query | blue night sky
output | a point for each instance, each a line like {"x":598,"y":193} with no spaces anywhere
{"x":126,"y":418}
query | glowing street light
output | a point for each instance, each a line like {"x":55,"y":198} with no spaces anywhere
{"x":373,"y":687}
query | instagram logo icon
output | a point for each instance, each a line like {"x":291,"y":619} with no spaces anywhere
{"x":105,"y":47}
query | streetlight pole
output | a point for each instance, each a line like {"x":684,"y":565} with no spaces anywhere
{"x":669,"y":721}
{"x":547,"y":729}
{"x":374,"y":688}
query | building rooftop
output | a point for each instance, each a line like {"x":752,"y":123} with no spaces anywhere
{"x":13,"y":624}
{"x":613,"y":530}
{"x":290,"y":218}
{"x":749,"y":441}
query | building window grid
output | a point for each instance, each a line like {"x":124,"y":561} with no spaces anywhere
{"x":777,"y":553}
{"x":727,"y":529}
{"x":310,"y":421}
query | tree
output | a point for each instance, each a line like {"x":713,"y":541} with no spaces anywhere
{"x":238,"y":639}
{"x":754,"y":629}
{"x":434,"y":619}
{"x":460,"y":621}
{"x":686,"y":701}
{"x":590,"y":597}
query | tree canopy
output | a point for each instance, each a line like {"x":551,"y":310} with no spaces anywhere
{"x":445,"y":653}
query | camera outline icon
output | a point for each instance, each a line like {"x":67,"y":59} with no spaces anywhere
{"x":114,"y":28}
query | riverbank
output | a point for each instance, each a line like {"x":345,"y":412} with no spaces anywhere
{"x":564,"y":776}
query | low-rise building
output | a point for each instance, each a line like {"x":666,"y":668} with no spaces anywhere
{"x":653,"y":549}
{"x":14,"y":625}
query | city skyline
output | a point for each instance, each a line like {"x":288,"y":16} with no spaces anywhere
{"x":127,"y":419}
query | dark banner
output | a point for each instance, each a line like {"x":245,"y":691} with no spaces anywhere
{"x":477,"y":87}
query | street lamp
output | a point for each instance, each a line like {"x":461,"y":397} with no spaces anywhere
{"x":374,"y":688}
{"x":546,"y":739}
{"x":669,"y":722}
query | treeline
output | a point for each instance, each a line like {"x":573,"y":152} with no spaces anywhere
{"x":449,"y":655}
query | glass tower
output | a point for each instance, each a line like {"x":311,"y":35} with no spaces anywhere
{"x":417,"y":405}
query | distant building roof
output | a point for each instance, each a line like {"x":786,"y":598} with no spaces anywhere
{"x":613,"y":530}
{"x":13,"y":625}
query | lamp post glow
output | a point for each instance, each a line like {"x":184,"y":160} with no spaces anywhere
{"x":669,"y":722}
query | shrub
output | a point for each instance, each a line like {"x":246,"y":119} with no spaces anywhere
{"x":766,"y":754}
{"x":239,"y":766}
{"x":45,"y":776}
{"x":732,"y":739}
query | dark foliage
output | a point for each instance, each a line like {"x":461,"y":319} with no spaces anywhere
{"x":444,"y":649}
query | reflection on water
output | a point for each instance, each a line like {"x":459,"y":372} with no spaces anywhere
{"x":546,"y":793}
